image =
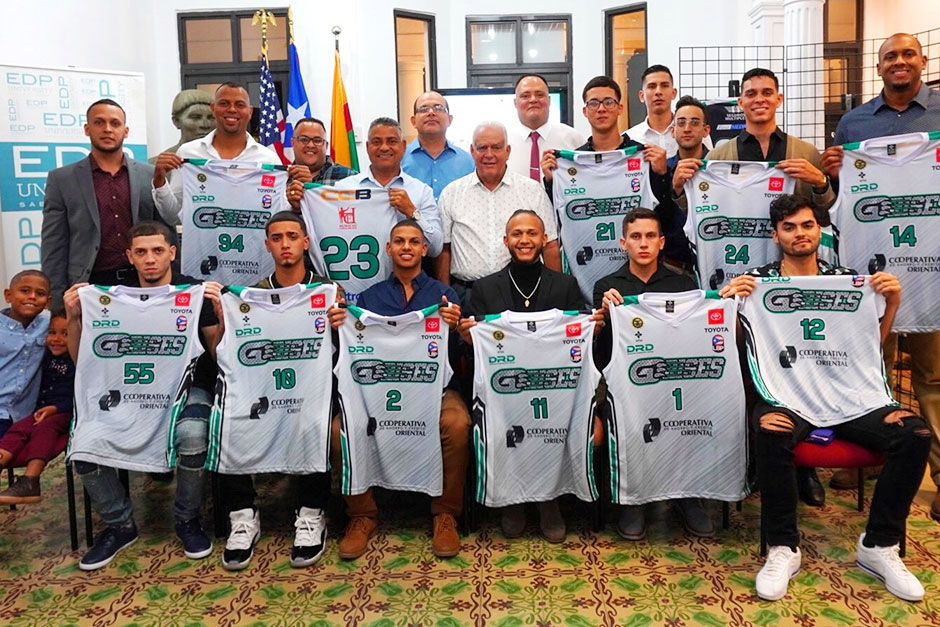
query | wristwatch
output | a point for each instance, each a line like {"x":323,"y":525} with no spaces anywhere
{"x":416,"y":216}
{"x":822,"y":188}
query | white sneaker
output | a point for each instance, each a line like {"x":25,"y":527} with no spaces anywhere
{"x":309,"y":537}
{"x":240,"y":546}
{"x":884,"y":562}
{"x":781,"y":565}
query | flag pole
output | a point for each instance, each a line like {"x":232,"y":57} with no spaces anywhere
{"x":290,"y":25}
{"x":262,"y":17}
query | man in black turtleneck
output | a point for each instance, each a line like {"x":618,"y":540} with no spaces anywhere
{"x":525,"y":284}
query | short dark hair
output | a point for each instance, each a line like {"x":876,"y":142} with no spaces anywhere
{"x":384,"y":121}
{"x":600,"y":81}
{"x":285,"y":216}
{"x":104,"y":101}
{"x":652,"y":70}
{"x":538,"y":76}
{"x":407,"y":222}
{"x":692,"y":101}
{"x":309,"y":120}
{"x":641,"y":213}
{"x":759,"y":71}
{"x":786,"y":205}
{"x":58,"y":312}
{"x":22,"y":274}
{"x":151,"y":227}
{"x":526,"y":212}
{"x":229,"y":84}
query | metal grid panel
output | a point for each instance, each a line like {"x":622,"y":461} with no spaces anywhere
{"x":819,"y":81}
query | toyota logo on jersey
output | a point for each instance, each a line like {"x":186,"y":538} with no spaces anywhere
{"x":633,"y":165}
{"x":432,"y":325}
{"x":318,"y":301}
{"x":775,"y":184}
{"x":182,"y":300}
{"x":267,"y":180}
{"x":573,"y":330}
{"x":716,"y":316}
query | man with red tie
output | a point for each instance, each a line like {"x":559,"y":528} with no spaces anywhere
{"x":535,"y":134}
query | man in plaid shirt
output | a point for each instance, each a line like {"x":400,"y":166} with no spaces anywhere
{"x":312,"y":163}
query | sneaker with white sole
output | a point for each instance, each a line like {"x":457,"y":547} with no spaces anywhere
{"x":108,"y":544}
{"x":240,"y":546}
{"x":781,"y":565}
{"x":309,"y":537}
{"x":884,"y":562}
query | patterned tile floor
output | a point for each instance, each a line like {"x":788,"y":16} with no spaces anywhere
{"x":592,"y":579}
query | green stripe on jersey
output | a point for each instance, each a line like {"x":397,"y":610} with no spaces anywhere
{"x":430,"y":309}
{"x":356,"y":311}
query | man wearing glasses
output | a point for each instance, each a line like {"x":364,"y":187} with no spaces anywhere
{"x":312,"y":163}
{"x":602,"y":108}
{"x":430,"y":158}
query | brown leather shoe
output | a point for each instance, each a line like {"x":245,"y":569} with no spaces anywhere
{"x":935,"y":508}
{"x":356,"y":540}
{"x":25,"y":490}
{"x":847,"y":478}
{"x":446,"y":542}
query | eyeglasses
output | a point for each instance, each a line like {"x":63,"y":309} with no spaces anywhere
{"x":303,"y":140}
{"x":692,"y":122}
{"x":438,"y":108}
{"x":609,"y":103}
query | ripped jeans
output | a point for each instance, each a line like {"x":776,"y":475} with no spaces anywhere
{"x":112,"y":502}
{"x":906,"y":448}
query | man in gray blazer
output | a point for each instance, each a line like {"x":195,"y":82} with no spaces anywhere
{"x":91,"y":205}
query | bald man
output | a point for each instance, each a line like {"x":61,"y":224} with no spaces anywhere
{"x":905,"y":105}
{"x":430,"y":158}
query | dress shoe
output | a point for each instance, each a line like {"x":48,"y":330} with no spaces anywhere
{"x":512,"y":520}
{"x":551,"y":524}
{"x":811,"y":490}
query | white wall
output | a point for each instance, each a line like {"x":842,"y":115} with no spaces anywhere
{"x":886,"y":17}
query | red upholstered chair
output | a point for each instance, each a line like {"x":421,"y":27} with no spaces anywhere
{"x":836,"y":454}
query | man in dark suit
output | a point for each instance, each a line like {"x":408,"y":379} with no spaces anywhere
{"x":91,"y":205}
{"x":525,"y":284}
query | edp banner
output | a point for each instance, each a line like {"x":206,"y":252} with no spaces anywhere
{"x":43,"y":129}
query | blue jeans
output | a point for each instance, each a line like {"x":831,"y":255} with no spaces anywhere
{"x":112,"y":502}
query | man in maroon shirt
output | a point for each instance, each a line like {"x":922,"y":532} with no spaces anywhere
{"x":91,"y":205}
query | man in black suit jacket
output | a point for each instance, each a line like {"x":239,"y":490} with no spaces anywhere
{"x":525,"y":284}
{"x":91,"y":205}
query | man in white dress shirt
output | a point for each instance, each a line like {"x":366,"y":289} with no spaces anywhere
{"x":476,"y":207}
{"x":535,"y":134}
{"x":657,"y":93}
{"x":229,"y":140}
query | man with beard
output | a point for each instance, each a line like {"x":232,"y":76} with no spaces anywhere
{"x":902,"y":436}
{"x":91,"y":205}
{"x":526,"y":284}
{"x":905,"y":105}
{"x":229,"y":140}
{"x":312,"y":163}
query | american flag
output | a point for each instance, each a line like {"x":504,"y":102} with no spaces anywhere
{"x":270,"y":118}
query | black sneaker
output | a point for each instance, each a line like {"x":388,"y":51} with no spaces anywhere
{"x":108,"y":544}
{"x":309,"y":537}
{"x":240,"y":546}
{"x":196,"y":544}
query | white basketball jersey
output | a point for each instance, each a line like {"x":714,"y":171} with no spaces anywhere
{"x":592,"y":193}
{"x":814,"y":346}
{"x":888,"y":218}
{"x":677,"y":399}
{"x":533,"y":408}
{"x":225,"y":207}
{"x":348,"y":231}
{"x":135,"y":365}
{"x":272,"y":397}
{"x":728,"y":224}
{"x":391,"y":375}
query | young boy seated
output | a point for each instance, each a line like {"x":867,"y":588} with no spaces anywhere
{"x":23,"y":327}
{"x":42,"y":436}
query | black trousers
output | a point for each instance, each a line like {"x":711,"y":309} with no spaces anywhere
{"x":238,"y":491}
{"x":906,"y":448}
